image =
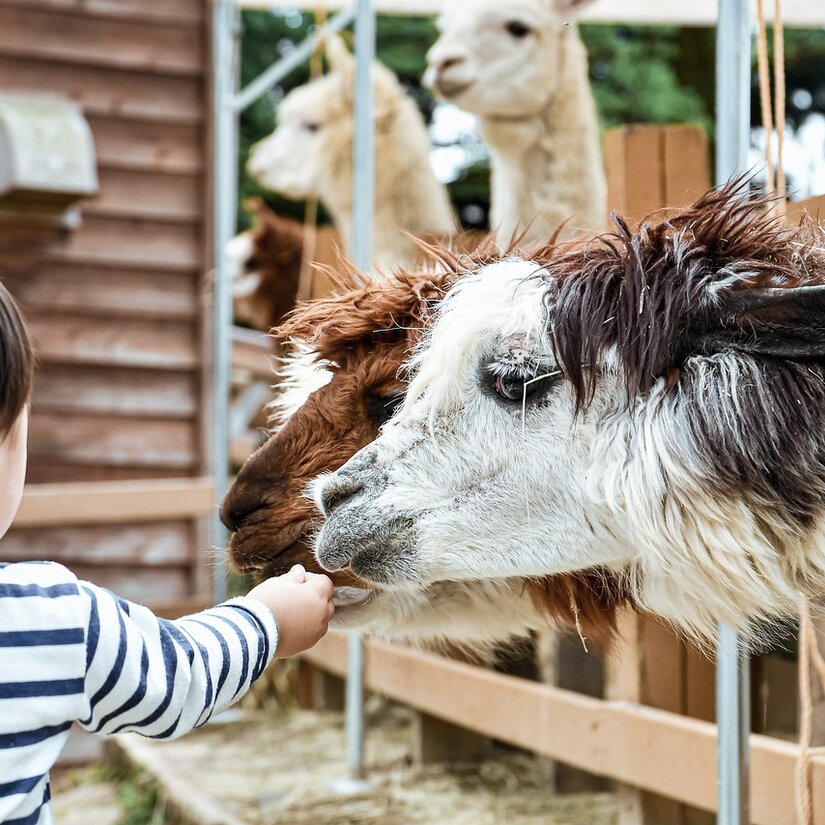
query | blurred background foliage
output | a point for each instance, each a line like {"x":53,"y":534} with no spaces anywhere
{"x":639,"y":74}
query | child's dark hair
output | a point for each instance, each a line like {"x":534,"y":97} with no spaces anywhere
{"x":16,"y":363}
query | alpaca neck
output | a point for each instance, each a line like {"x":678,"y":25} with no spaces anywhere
{"x":408,"y":198}
{"x":547,"y":166}
{"x":408,"y":201}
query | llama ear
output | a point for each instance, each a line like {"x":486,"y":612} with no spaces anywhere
{"x":779,"y":322}
{"x":340,"y":58}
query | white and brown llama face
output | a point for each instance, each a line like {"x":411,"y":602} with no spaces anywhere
{"x":499,"y":59}
{"x":652,"y":404}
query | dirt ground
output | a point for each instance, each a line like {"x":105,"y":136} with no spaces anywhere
{"x":85,"y":797}
{"x":270,"y":768}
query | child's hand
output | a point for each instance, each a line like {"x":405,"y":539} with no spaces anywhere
{"x":302,"y":604}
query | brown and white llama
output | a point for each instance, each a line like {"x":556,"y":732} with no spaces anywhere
{"x":309,"y":155}
{"x":522,"y":68}
{"x":266,"y":264}
{"x":360,"y":338}
{"x":651,"y":403}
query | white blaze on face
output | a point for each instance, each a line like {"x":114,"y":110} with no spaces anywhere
{"x":239,"y":250}
{"x":299,"y":375}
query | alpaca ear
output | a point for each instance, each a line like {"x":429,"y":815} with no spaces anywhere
{"x":340,"y":58}
{"x":779,"y":322}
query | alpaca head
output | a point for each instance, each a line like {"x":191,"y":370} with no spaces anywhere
{"x":351,"y":351}
{"x":648,"y":402}
{"x":266,"y":267}
{"x":310,"y":152}
{"x":500,"y":59}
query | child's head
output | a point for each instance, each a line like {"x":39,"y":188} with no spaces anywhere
{"x":16,"y":375}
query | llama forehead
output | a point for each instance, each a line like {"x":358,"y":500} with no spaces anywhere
{"x":500,"y":299}
{"x":486,"y":316}
{"x":485,"y":12}
{"x":318,"y":99}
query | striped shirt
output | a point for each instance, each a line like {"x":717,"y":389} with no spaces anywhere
{"x":74,"y":652}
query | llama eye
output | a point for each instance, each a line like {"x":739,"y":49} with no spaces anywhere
{"x":517,"y":29}
{"x":516,"y":387}
{"x":312,"y":126}
{"x":512,"y":387}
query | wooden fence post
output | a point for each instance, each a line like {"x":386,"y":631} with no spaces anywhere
{"x":650,"y":167}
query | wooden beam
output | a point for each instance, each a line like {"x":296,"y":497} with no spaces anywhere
{"x":803,"y":13}
{"x":115,"y":502}
{"x":655,"y":750}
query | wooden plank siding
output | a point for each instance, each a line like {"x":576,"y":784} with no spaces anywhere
{"x":117,"y":309}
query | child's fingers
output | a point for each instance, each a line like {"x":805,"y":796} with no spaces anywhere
{"x":297,"y":573}
{"x":323,"y":584}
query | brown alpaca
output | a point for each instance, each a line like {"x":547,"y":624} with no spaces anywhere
{"x":365,"y":333}
{"x":267,"y":261}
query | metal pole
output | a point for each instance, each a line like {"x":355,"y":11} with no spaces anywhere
{"x":733,"y":84}
{"x":363,"y":206}
{"x":224,"y":18}
{"x":278,"y":71}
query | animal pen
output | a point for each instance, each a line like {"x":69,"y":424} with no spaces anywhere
{"x":131,"y":425}
{"x":752,"y":778}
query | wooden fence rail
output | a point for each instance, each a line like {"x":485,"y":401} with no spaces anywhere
{"x":654,"y":750}
{"x":115,"y":502}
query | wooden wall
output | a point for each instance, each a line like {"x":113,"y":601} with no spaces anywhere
{"x":118,"y":309}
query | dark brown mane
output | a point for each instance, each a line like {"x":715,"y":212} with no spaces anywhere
{"x":645,"y":292}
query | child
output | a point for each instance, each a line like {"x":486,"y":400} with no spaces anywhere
{"x":73,"y":652}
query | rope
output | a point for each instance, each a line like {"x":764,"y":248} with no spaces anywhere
{"x":765,"y":92}
{"x":807,"y":642}
{"x":779,"y":103}
{"x":774,"y":182}
{"x":307,"y":271}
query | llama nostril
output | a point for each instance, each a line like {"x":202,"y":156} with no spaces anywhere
{"x":338,"y":492}
{"x":449,"y":62}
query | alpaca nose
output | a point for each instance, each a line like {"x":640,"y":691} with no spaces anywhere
{"x":449,"y":62}
{"x":245,"y":497}
{"x":336,"y":491}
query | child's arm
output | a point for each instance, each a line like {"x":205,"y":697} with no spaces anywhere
{"x":72,"y":651}
{"x":163,"y":678}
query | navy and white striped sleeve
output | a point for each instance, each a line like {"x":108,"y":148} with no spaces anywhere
{"x":162,"y":678}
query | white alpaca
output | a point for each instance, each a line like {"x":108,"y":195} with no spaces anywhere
{"x":649,"y":404}
{"x":522,"y":68}
{"x":310,"y":155}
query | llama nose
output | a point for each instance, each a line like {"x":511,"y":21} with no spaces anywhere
{"x":337,"y":491}
{"x":245,"y":497}
{"x":448,"y":62}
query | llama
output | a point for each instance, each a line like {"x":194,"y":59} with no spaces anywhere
{"x":310,"y":155}
{"x":364,"y":334}
{"x":523,"y":70}
{"x":648,"y":402}
{"x":266,"y":262}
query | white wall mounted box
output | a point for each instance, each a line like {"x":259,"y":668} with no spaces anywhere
{"x":47,"y":160}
